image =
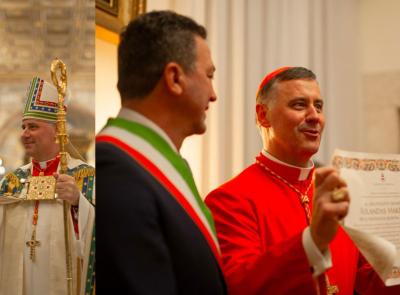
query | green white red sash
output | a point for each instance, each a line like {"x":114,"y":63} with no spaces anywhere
{"x":155,"y":155}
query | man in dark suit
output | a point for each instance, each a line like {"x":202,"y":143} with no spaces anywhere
{"x":155,"y":235}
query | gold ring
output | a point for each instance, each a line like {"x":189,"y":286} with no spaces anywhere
{"x":338,"y":195}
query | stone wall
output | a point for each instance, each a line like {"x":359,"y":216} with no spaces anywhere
{"x":381,"y":96}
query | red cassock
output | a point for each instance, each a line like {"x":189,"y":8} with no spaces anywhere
{"x":260,"y":220}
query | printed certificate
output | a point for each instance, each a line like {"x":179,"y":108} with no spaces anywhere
{"x":373,"y":221}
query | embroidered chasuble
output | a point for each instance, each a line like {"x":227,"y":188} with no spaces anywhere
{"x":46,"y":273}
{"x":259,"y":221}
{"x":167,"y":238}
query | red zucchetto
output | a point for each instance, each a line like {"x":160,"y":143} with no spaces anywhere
{"x":270,"y":76}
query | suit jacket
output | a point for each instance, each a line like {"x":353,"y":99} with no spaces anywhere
{"x":146,"y":242}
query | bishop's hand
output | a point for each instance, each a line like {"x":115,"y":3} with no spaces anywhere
{"x":330,"y":205}
{"x":67,"y":189}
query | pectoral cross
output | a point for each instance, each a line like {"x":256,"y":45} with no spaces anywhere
{"x":332,"y":290}
{"x":32,"y":244}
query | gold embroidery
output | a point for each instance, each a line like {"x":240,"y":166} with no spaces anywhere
{"x":41,"y":188}
{"x":13,"y":182}
{"x":81,"y":174}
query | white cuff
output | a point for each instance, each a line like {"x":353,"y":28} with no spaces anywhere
{"x":83,"y":215}
{"x":320,"y":262}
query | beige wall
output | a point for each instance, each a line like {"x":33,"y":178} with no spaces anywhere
{"x":380,"y":64}
{"x":107,"y":97}
{"x":380,"y":35}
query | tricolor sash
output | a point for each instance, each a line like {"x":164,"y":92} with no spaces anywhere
{"x":157,"y":157}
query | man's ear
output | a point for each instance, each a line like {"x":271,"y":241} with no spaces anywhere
{"x":262,"y":115}
{"x":174,"y":77}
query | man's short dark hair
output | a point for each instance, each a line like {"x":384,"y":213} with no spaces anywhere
{"x":150,"y":42}
{"x":293,"y":73}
